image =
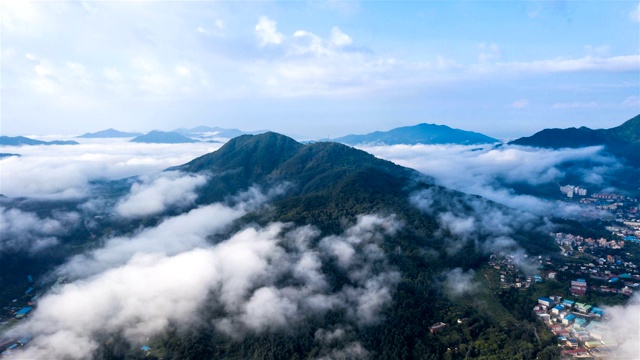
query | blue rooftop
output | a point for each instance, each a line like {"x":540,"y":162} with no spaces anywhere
{"x":581,"y":280}
{"x":145,"y":348}
{"x":570,"y":317}
{"x":24,"y":310}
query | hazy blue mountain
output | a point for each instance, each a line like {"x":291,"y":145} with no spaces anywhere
{"x":214,"y":132}
{"x":162,"y":137}
{"x":4,"y":155}
{"x":109,"y":133}
{"x":21,"y":140}
{"x":622,"y":141}
{"x":419,"y":134}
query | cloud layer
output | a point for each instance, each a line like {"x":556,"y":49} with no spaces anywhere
{"x":490,"y":172}
{"x":66,"y":171}
{"x":24,"y":230}
{"x":258,"y":279}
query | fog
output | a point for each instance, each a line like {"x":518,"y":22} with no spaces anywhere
{"x":487,"y":170}
{"x":66,"y":171}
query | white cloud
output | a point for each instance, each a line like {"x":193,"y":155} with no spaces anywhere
{"x":487,"y":171}
{"x":24,"y":230}
{"x":489,"y":52}
{"x":339,"y":38}
{"x":622,"y":326}
{"x":267,"y":33}
{"x":634,"y":14}
{"x":69,"y":169}
{"x":112,"y":287}
{"x":151,"y":195}
{"x":520,"y":104}
{"x":588,"y":63}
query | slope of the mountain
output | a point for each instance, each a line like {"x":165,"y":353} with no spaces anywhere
{"x":162,"y":137}
{"x":109,"y":133}
{"x":419,"y":134}
{"x":622,"y":141}
{"x":21,"y":140}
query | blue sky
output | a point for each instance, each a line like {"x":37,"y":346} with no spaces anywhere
{"x":317,"y":69}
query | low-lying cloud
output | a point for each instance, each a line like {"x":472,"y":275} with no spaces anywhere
{"x":151,"y":195}
{"x":487,"y":171}
{"x":66,"y":171}
{"x":24,"y":230}
{"x":465,"y":219}
{"x":258,"y":279}
{"x":622,"y":328}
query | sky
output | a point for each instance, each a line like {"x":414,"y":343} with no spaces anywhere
{"x":317,"y":68}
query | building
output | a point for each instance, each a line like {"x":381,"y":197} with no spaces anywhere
{"x":578,"y":287}
{"x":437,"y":327}
{"x":545,"y":301}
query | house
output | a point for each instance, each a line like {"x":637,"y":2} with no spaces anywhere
{"x":545,"y":301}
{"x":569,"y":319}
{"x":23,"y":312}
{"x":437,"y":327}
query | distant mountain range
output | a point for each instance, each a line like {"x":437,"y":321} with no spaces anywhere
{"x":419,"y":134}
{"x":4,"y":155}
{"x":25,"y":141}
{"x":162,"y":137}
{"x":205,"y":132}
{"x":109,"y":133}
{"x":621,"y":141}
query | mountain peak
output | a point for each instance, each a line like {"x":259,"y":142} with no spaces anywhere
{"x":419,"y":134}
{"x":161,"y":137}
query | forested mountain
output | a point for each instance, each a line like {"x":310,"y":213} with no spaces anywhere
{"x":419,"y":134}
{"x":622,"y":141}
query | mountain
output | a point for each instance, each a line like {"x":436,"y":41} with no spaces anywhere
{"x":109,"y":133}
{"x":22,"y":141}
{"x":621,"y":141}
{"x":3,"y":155}
{"x":206,"y":132}
{"x":419,"y":134}
{"x":161,"y":137}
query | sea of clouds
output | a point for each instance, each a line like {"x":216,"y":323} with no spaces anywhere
{"x":177,"y":266}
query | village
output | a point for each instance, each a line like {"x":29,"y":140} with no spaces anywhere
{"x":579,"y":327}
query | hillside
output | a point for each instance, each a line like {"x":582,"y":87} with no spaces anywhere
{"x":622,"y":141}
{"x":419,"y":134}
{"x":162,"y":137}
{"x":109,"y":133}
{"x":25,"y":141}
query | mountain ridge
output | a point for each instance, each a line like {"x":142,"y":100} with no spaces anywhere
{"x":22,"y":140}
{"x":419,"y":134}
{"x":163,"y":137}
{"x":108,"y":133}
{"x":622,"y":141}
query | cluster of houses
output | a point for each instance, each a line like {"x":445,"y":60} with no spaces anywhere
{"x":9,"y":345}
{"x":510,"y":273}
{"x":578,"y":326}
